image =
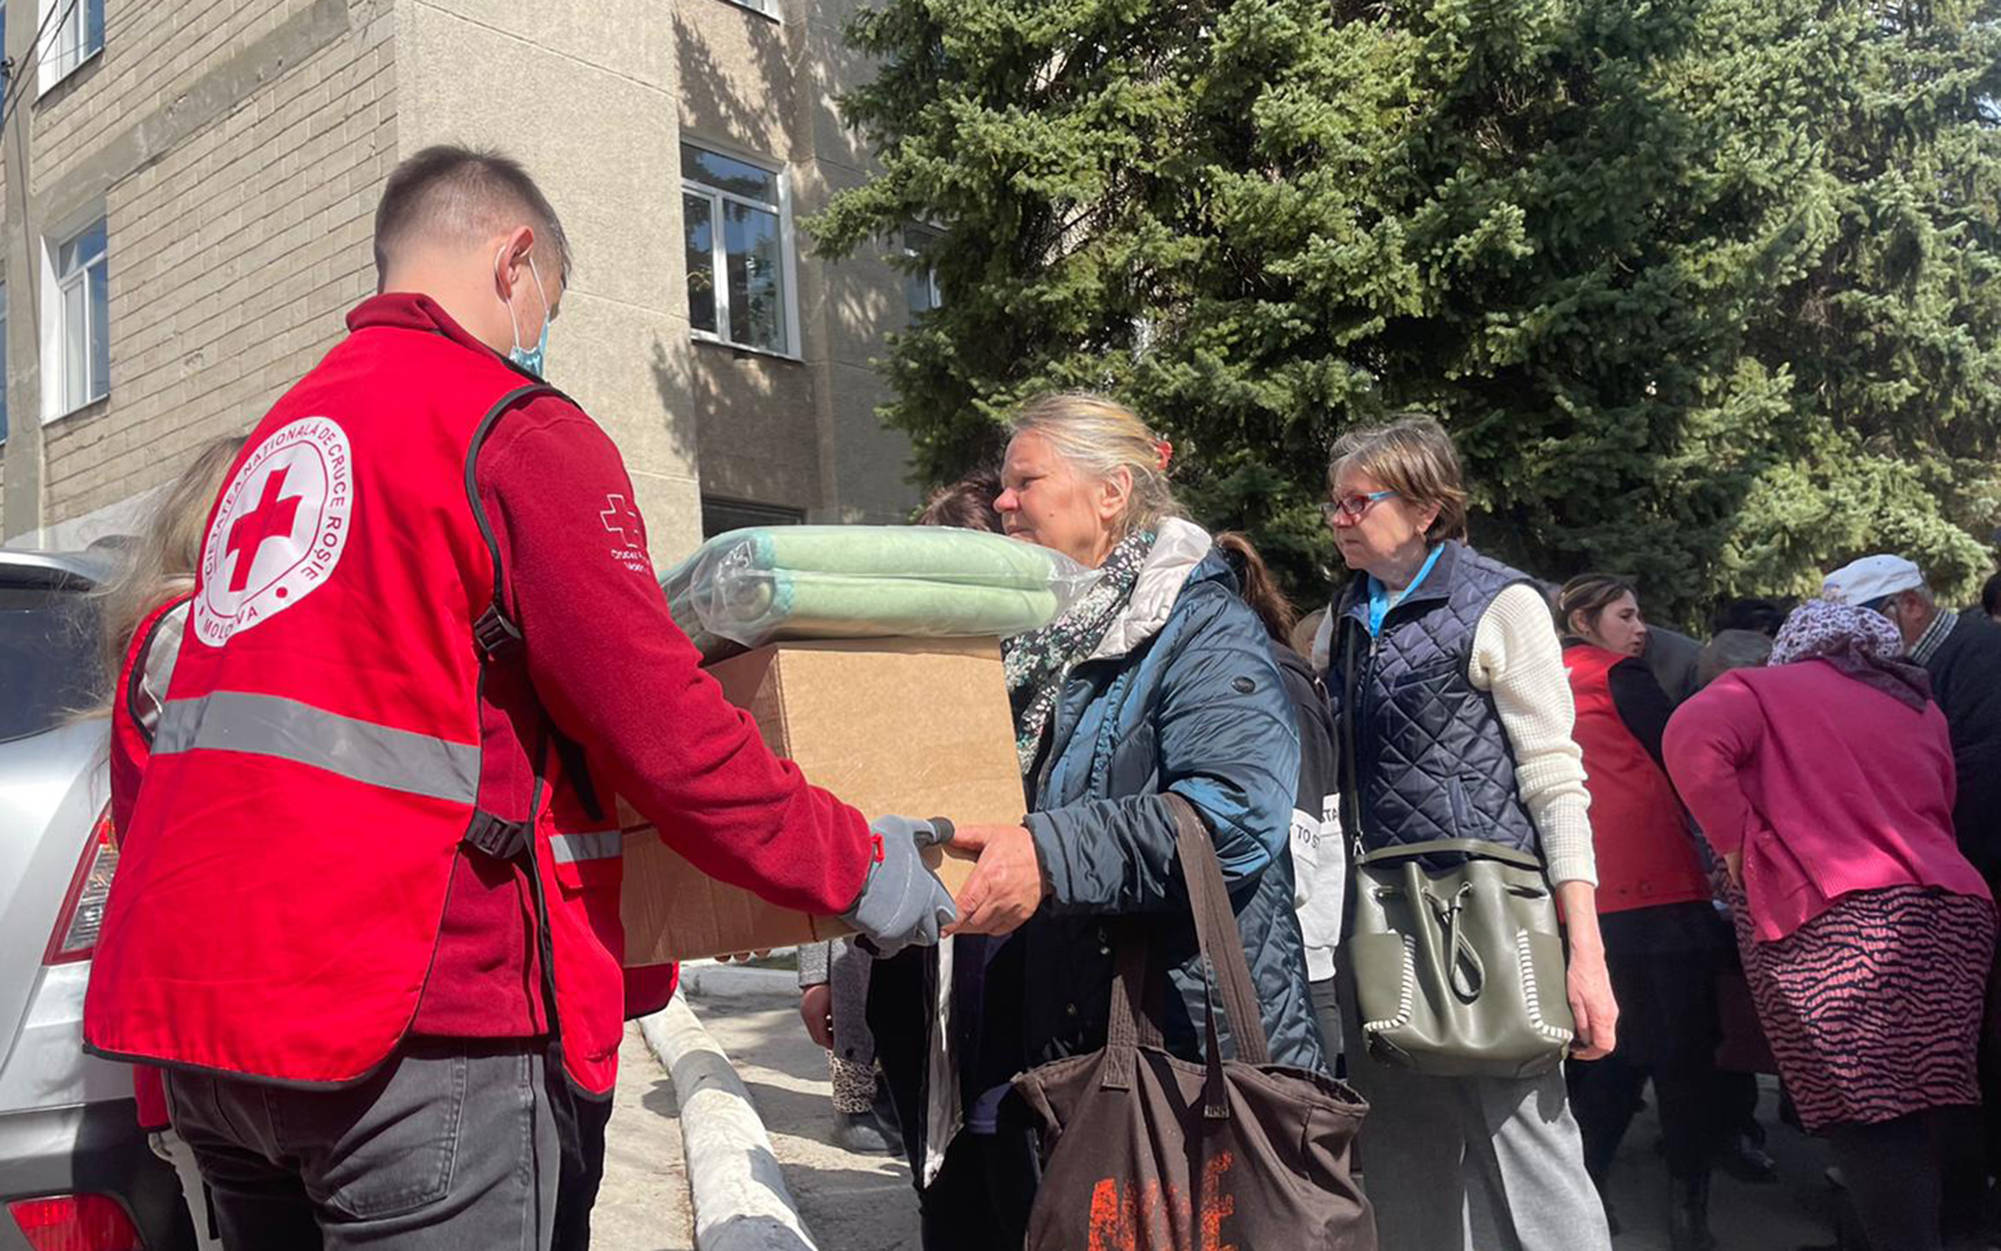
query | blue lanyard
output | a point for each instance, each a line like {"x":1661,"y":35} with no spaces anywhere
{"x":1381,"y":601}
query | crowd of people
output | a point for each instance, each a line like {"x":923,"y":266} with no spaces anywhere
{"x":1773,"y":850}
{"x":1769,"y":852}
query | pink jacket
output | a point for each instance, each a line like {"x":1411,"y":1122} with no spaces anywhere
{"x":1826,"y":785}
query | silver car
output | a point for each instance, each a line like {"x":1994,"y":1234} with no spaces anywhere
{"x":75,"y":1169}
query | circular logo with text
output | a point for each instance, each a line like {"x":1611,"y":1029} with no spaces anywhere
{"x":279,"y":530}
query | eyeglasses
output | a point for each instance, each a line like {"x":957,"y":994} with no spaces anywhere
{"x":1351,"y":507}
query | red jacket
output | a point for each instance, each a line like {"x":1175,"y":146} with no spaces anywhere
{"x":327,"y":743}
{"x":1646,"y":855}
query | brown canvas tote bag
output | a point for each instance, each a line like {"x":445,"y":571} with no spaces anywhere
{"x":1144,"y":1151}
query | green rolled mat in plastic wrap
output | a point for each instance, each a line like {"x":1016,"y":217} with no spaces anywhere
{"x":770,"y":583}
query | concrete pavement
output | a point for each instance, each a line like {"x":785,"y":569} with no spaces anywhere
{"x":643,"y":1203}
{"x":849,"y":1202}
{"x":853,"y":1202}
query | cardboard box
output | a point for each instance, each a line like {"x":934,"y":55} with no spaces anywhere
{"x":904,"y":727}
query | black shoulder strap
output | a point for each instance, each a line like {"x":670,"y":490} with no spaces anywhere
{"x":495,"y":631}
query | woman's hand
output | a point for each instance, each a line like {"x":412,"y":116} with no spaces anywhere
{"x":1005,"y":888}
{"x":816,"y":1009}
{"x":1587,"y":982}
{"x":1591,"y":1002}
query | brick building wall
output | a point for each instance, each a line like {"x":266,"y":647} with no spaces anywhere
{"x":236,"y":153}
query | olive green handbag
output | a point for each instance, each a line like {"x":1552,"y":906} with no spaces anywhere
{"x":1453,"y":952}
{"x":1458,"y":971}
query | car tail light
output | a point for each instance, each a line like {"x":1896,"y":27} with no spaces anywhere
{"x":75,"y":1223}
{"x":75,"y":935}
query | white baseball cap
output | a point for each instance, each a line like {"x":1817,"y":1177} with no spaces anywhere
{"x":1871,"y":578}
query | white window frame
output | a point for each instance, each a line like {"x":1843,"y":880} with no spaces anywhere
{"x":930,"y":275}
{"x":63,"y":50}
{"x":56,"y":286}
{"x":788,"y":275}
{"x":5,"y":416}
{"x":767,"y":9}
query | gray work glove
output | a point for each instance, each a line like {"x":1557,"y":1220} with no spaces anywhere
{"x":902,"y":901}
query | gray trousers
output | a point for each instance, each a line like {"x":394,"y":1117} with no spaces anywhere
{"x":439,"y":1150}
{"x":1473,"y":1163}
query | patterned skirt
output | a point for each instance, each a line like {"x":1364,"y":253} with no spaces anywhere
{"x":1873,"y":1007}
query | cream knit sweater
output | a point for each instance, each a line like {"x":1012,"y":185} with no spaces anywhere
{"x":1519,"y":660}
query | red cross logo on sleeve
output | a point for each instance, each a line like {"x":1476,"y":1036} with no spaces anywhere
{"x":271,"y":519}
{"x":622,"y":519}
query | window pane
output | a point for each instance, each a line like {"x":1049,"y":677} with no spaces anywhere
{"x":93,"y":25}
{"x":100,"y":331}
{"x":68,"y":38}
{"x":698,"y":221}
{"x":80,"y":250}
{"x":757,"y":296}
{"x":75,"y":336}
{"x":3,"y":359}
{"x":712,"y":169}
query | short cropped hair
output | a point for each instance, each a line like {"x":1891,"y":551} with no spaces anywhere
{"x":448,"y":191}
{"x":1101,"y":436}
{"x":1414,"y":457}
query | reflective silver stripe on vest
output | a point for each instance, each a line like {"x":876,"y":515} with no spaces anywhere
{"x":600,"y":845}
{"x":269,"y":725}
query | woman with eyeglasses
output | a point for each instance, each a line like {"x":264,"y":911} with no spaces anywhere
{"x":1456,"y":709}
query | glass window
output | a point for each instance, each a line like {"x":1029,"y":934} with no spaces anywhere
{"x":734,"y":219}
{"x":720,"y":516}
{"x":76,"y":33}
{"x":920,"y":286}
{"x":83,"y":320}
{"x":3,"y":362}
{"x":728,"y":174}
{"x":48,"y":666}
{"x":699,"y":223}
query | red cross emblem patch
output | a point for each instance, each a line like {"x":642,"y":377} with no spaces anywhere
{"x":279,"y":529}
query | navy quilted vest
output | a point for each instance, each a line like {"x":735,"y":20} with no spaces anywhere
{"x":1431,"y":757}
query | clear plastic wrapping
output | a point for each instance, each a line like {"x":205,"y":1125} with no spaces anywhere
{"x":766,"y":584}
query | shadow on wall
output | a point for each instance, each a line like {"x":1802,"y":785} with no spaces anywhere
{"x":678,"y":417}
{"x":749,"y":102}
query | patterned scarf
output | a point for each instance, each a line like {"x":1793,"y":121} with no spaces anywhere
{"x":1858,"y":641}
{"x":1036,"y":663}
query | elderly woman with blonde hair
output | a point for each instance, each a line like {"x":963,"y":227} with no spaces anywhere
{"x":1159,"y":681}
{"x":1456,"y":715}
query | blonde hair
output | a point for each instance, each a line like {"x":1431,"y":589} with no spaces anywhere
{"x":1414,"y":457}
{"x":1102,"y":437}
{"x":161,"y":564}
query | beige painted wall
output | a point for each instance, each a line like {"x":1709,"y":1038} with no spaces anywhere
{"x":766,"y":88}
{"x":593,"y":117}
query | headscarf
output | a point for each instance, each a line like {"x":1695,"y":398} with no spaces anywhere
{"x":1036,"y":663}
{"x":1860,"y":642}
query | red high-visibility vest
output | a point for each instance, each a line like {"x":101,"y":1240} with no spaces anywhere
{"x":318,"y":761}
{"x":1646,"y":854}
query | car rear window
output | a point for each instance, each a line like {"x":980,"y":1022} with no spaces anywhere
{"x":49,"y":665}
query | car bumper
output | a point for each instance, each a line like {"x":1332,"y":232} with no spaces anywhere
{"x":97,"y":1148}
